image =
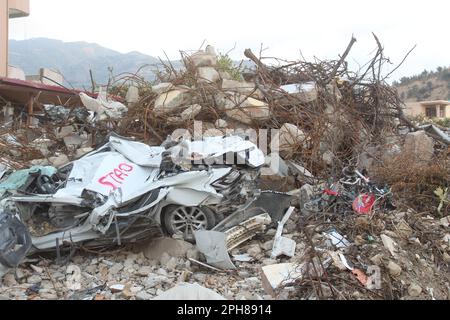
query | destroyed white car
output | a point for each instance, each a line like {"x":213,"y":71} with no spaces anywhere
{"x":125,"y":191}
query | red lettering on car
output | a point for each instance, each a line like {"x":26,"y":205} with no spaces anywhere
{"x":119,"y":174}
{"x":125,"y":167}
{"x":103,"y":181}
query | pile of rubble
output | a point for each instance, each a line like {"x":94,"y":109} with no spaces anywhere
{"x":368,"y":188}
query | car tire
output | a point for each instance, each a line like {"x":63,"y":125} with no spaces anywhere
{"x":183,"y":221}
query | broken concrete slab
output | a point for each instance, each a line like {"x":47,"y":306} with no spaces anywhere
{"x":248,"y":110}
{"x":420,"y":146}
{"x":221,"y":124}
{"x":59,"y":161}
{"x":74,"y":141}
{"x":163,"y":88}
{"x":285,"y":274}
{"x":273,"y":276}
{"x":132,"y":96}
{"x":155,"y":249}
{"x":191,"y":112}
{"x":189,"y":292}
{"x":82,"y":152}
{"x":304,"y":92}
{"x":40,"y":162}
{"x":289,"y":138}
{"x":64,"y":132}
{"x":171,"y":101}
{"x":43,"y":146}
{"x":202,"y":59}
{"x":276,"y":165}
{"x":242,"y":87}
{"x":207,"y":75}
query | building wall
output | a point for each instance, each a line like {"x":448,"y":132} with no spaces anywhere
{"x":16,"y":73}
{"x":18,"y":8}
{"x":9,"y":9}
{"x":414,"y":109}
{"x":48,"y":75}
{"x":3,"y":38}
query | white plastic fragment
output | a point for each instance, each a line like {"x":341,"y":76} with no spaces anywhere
{"x":102,"y":106}
{"x":117,"y":288}
{"x":345,"y":262}
{"x":283,"y":245}
{"x":389,"y":244}
{"x":338,"y":240}
{"x":242,"y":257}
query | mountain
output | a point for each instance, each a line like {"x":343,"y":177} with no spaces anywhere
{"x":429,"y":85}
{"x":75,"y":59}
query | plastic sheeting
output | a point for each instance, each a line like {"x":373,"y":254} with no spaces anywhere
{"x":102,"y":106}
{"x":140,"y":153}
{"x":220,"y":150}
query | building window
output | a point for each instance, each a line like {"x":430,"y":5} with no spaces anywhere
{"x":442,"y":111}
{"x":431,"y":112}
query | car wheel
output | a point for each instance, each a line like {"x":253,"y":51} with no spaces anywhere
{"x":184,"y":221}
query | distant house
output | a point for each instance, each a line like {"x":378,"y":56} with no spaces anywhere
{"x":430,"y":109}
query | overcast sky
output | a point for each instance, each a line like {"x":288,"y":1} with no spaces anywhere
{"x":316,"y":27}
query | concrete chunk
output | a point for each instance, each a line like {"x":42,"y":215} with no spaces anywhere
{"x":163,"y":87}
{"x":203,"y":59}
{"x":170,"y":101}
{"x":289,"y":137}
{"x":191,"y":112}
{"x":207,"y":75}
{"x":248,"y":110}
{"x":420,"y":146}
